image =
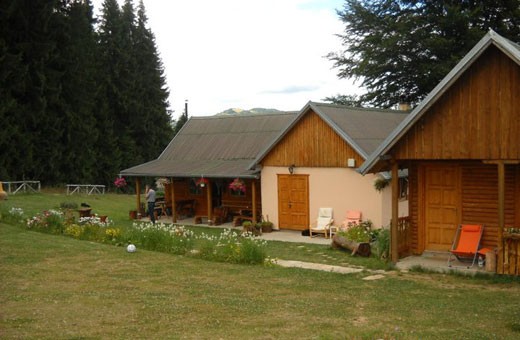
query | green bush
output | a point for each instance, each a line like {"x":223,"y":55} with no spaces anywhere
{"x":382,"y":243}
{"x":361,"y":232}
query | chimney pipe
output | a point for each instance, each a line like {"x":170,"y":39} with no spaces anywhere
{"x":186,"y":108}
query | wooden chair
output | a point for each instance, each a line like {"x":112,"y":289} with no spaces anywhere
{"x":323,"y":223}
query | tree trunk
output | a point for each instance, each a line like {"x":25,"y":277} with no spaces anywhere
{"x":361,"y":249}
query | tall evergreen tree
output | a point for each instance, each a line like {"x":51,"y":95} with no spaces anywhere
{"x":30,"y":86}
{"x":400,"y":49}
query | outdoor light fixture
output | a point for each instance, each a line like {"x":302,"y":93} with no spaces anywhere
{"x":291,"y":169}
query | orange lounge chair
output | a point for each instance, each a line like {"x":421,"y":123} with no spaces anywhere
{"x":466,"y":243}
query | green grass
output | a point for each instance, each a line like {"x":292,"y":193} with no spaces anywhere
{"x":54,"y":287}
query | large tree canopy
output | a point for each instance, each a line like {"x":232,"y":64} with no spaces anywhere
{"x":77,"y":104}
{"x":402,"y":49}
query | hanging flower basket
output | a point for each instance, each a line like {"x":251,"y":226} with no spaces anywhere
{"x":201,"y":182}
{"x":237,"y":185}
{"x":120,"y":182}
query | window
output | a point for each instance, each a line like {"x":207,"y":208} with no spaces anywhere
{"x":403,"y":188}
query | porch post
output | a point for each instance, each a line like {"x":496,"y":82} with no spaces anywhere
{"x":253,"y":192}
{"x":138,"y":194}
{"x":210,"y":207}
{"x":395,"y":212}
{"x":174,"y":208}
{"x":501,"y":210}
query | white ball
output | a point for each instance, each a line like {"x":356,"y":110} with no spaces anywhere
{"x":131,"y":248}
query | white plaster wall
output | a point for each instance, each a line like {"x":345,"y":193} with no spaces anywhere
{"x":342,"y":189}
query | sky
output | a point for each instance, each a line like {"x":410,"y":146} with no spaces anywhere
{"x":246,"y":54}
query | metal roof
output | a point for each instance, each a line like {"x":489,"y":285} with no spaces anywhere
{"x":216,"y":146}
{"x":362,"y":128}
{"x":491,"y":38}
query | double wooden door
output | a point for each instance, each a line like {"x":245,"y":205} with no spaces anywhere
{"x":293,"y":202}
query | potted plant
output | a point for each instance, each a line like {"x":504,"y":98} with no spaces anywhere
{"x":249,"y":227}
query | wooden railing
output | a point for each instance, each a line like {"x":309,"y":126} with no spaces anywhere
{"x":404,"y":236}
{"x":509,"y":257}
{"x":19,"y":186}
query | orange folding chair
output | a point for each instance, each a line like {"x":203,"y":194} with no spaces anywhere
{"x":466,"y":243}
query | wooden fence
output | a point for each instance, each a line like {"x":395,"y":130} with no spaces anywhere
{"x":509,"y":255}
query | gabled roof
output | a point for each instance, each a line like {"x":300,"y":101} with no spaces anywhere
{"x":217,"y":146}
{"x":508,"y":47}
{"x":363,"y":129}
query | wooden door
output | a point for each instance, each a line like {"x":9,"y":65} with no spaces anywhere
{"x":442,"y":213}
{"x":293,"y":202}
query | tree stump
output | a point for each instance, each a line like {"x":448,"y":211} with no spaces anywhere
{"x":361,"y":249}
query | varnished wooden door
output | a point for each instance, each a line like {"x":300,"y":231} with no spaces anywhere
{"x":442,"y":212}
{"x":293,"y":202}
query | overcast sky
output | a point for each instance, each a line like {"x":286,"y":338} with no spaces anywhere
{"x":246,"y":53}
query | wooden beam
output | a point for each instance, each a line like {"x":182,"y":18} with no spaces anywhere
{"x":395,"y":212}
{"x":253,"y":199}
{"x":138,"y":194}
{"x":506,"y":161}
{"x":208,"y":195}
{"x":501,"y":208}
{"x":174,"y":208}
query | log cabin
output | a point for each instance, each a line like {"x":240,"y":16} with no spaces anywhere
{"x":461,"y":147}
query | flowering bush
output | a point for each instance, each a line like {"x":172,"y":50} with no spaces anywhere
{"x":120,"y":182}
{"x":51,"y":221}
{"x":237,"y":185}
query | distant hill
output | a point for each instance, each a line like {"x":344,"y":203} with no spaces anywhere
{"x":254,"y":111}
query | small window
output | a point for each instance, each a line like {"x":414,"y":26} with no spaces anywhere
{"x":403,"y":188}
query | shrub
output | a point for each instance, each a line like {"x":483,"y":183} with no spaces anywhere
{"x":12,"y":216}
{"x":50,"y":221}
{"x":361,"y":232}
{"x":382,"y":243}
{"x":69,"y":205}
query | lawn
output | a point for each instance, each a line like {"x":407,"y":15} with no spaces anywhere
{"x":54,"y":287}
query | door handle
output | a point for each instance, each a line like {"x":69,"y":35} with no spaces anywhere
{"x":290,"y":205}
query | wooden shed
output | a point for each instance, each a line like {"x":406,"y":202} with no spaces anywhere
{"x":461,"y":146}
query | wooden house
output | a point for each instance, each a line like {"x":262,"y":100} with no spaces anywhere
{"x":461,"y":147}
{"x":205,"y":157}
{"x":313,"y":162}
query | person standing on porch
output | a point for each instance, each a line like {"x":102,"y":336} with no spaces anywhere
{"x":150,"y":198}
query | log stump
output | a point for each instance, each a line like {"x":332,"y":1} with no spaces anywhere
{"x":361,"y":249}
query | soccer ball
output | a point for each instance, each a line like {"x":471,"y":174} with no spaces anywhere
{"x":131,"y":248}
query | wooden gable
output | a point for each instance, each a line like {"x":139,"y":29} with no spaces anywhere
{"x":311,"y":143}
{"x":478,"y":117}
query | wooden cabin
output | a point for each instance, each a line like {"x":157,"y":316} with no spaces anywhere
{"x":313,"y":163}
{"x":461,"y":147}
{"x":204,"y":158}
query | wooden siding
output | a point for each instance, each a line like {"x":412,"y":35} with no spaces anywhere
{"x":311,"y":143}
{"x":478,"y":200}
{"x":477,"y":118}
{"x":413,"y":208}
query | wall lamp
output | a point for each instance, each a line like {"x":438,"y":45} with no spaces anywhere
{"x":291,"y":169}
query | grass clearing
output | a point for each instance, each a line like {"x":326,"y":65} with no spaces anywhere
{"x":55,"y":287}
